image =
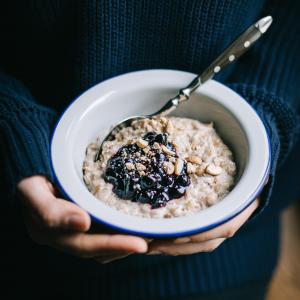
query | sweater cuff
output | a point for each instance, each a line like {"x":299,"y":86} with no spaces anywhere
{"x":282,"y":126}
{"x":24,"y":139}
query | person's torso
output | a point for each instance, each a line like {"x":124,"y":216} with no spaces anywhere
{"x":60,"y":48}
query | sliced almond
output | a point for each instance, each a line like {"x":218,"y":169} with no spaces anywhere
{"x":142,"y":143}
{"x":214,"y":170}
{"x":178,"y":166}
{"x":194,"y":159}
{"x":167,"y":150}
{"x":169,"y":167}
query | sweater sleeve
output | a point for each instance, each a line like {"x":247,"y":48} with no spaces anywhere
{"x":25,"y":128}
{"x":268,"y":77}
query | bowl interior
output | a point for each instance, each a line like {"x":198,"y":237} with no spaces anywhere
{"x":144,"y":92}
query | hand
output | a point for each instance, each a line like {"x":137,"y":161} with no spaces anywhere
{"x":206,"y":241}
{"x":63,"y":225}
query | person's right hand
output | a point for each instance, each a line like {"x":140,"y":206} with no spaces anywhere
{"x":63,"y":225}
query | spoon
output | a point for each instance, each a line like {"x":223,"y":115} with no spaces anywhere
{"x":234,"y":51}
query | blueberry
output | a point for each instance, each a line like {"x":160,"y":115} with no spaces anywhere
{"x":177,"y":191}
{"x":129,"y":190}
{"x":135,"y":179}
{"x":148,"y":181}
{"x":160,"y":200}
{"x":161,"y":138}
{"x":111,"y":180}
{"x":157,"y":168}
{"x":159,"y":157}
{"x":170,"y":146}
{"x":146,"y":196}
{"x":183,"y":180}
{"x":110,"y":172}
{"x":149,"y":137}
{"x":167,"y":180}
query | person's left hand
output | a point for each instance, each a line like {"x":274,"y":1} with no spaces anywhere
{"x":203,"y":242}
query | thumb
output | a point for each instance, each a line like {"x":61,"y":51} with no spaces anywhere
{"x":66,"y":215}
{"x":49,"y":211}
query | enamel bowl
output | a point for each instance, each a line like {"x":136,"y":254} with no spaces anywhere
{"x":94,"y":112}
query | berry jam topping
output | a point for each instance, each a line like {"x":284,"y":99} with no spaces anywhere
{"x":148,"y":171}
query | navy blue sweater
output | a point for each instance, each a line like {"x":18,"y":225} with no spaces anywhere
{"x":51,"y":51}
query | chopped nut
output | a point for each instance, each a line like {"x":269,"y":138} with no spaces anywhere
{"x":172,"y":159}
{"x":211,"y":198}
{"x":140,"y":167}
{"x":142,"y":143}
{"x":191,"y":168}
{"x":97,"y":189}
{"x":156,"y":146}
{"x":169,"y":167}
{"x":131,"y":142}
{"x":176,"y":146}
{"x":142,"y":173}
{"x":167,"y":150}
{"x":178,"y":166}
{"x":214,"y":170}
{"x":194,"y":159}
{"x":146,"y":149}
{"x":163,"y":120}
{"x":169,"y":127}
{"x":130,"y":166}
{"x":93,"y":146}
{"x":200,"y":170}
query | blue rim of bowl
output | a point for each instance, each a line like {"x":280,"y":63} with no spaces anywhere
{"x":254,"y":195}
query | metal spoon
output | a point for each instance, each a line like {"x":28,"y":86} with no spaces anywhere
{"x":235,"y":50}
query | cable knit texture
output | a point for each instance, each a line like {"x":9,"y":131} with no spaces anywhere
{"x":57,"y":49}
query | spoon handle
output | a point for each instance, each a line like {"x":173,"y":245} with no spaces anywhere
{"x":234,"y":51}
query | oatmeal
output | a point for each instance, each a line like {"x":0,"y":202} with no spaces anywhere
{"x":161,"y":168}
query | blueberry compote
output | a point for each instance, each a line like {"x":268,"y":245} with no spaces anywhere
{"x":148,"y":171}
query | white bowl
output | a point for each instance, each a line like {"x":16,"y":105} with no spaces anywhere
{"x":143,"y":92}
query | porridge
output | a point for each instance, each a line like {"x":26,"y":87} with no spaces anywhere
{"x":161,"y":168}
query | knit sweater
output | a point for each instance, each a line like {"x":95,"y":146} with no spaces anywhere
{"x":53,"y":50}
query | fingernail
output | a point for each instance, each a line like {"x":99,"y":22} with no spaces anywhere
{"x":113,"y":258}
{"x":75,"y":221}
{"x":154,"y":252}
{"x":183,"y":240}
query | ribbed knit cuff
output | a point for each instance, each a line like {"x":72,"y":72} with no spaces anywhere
{"x":282,"y":125}
{"x":24,"y":140}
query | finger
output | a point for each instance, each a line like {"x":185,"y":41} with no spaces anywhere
{"x":110,"y":258}
{"x":50,"y":211}
{"x":54,"y":213}
{"x":58,"y":213}
{"x":227,"y":229}
{"x":91,"y":245}
{"x":185,"y":249}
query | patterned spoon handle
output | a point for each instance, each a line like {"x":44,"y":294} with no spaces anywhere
{"x":234,"y":51}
